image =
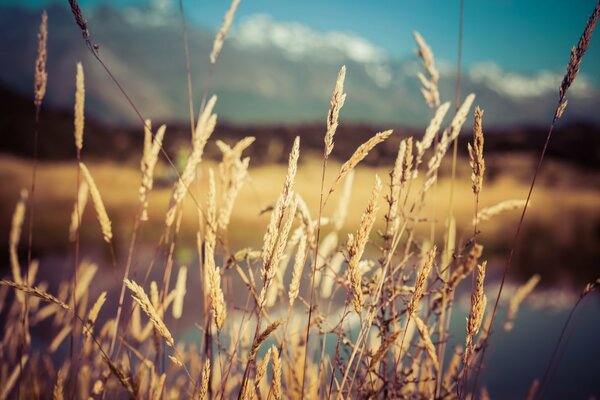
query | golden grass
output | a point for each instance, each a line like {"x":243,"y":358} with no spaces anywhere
{"x":384,"y":257}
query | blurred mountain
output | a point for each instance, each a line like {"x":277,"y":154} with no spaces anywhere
{"x":268,"y":72}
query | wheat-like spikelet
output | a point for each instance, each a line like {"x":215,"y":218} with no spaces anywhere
{"x":478,"y":303}
{"x":219,"y":307}
{"x":152,"y":147}
{"x":272,"y":234}
{"x":232,"y":172}
{"x":429,"y":347}
{"x":359,"y":154}
{"x":272,"y":268}
{"x":430,"y":85}
{"x":430,"y":133}
{"x":98,"y":205}
{"x":220,"y":38}
{"x":407,"y":161}
{"x":276,"y":373}
{"x":203,"y":394}
{"x":141,"y":298}
{"x":261,"y":369}
{"x":264,"y":335}
{"x":40,"y":75}
{"x":450,"y":134}
{"x":16,"y":228}
{"x":383,"y":348}
{"x":422,"y":275}
{"x":578,"y":52}
{"x":79,"y":106}
{"x":121,"y":377}
{"x":34,"y":291}
{"x":337,"y":102}
{"x":356,"y":246}
{"x":476,"y":152}
{"x":204,"y":129}
{"x":561,"y":109}
{"x":93,"y":314}
{"x":590,"y":287}
{"x":213,"y":274}
{"x":179,"y":292}
{"x":393,"y":198}
{"x":58,"y":393}
{"x":517,"y":299}
{"x":299,"y":262}
{"x":489,"y":212}
{"x":82,"y":198}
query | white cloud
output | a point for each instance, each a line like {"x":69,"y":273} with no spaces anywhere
{"x":299,"y":42}
{"x":157,"y":13}
{"x":521,"y":86}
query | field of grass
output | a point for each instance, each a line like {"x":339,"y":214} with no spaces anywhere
{"x":318,"y":278}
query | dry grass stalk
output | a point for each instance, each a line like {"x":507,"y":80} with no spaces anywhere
{"x":429,"y":347}
{"x":16,"y":228}
{"x":531,"y":393}
{"x":489,"y":212}
{"x":204,"y":129}
{"x":383,"y":348}
{"x":431,"y":132}
{"x":98,"y":204}
{"x":261,"y":369}
{"x":430,"y":85}
{"x":220,"y":38}
{"x":478,"y":303}
{"x":13,"y":377}
{"x":356,"y":246}
{"x":393,"y":198}
{"x":82,"y":198}
{"x":578,"y":52}
{"x":233,"y":173}
{"x":179,"y":292}
{"x":276,"y":373}
{"x":407,"y":161}
{"x":337,"y":102}
{"x":213,"y":274}
{"x":203,"y":394}
{"x":450,"y":134}
{"x":299,"y":262}
{"x":359,"y":154}
{"x":120,"y":375}
{"x":79,"y":106}
{"x":152,"y":147}
{"x":275,"y":237}
{"x":517,"y":299}
{"x":561,"y":109}
{"x":476,"y":152}
{"x":264,"y":335}
{"x":58,"y":392}
{"x":93,"y":314}
{"x":422,"y":275}
{"x":141,"y":298}
{"x":79,"y":19}
{"x":40,"y":75}
{"x":34,"y":291}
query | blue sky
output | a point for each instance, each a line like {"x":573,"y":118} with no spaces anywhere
{"x":519,"y":35}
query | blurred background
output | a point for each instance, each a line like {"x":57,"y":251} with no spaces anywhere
{"x":274,"y":80}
